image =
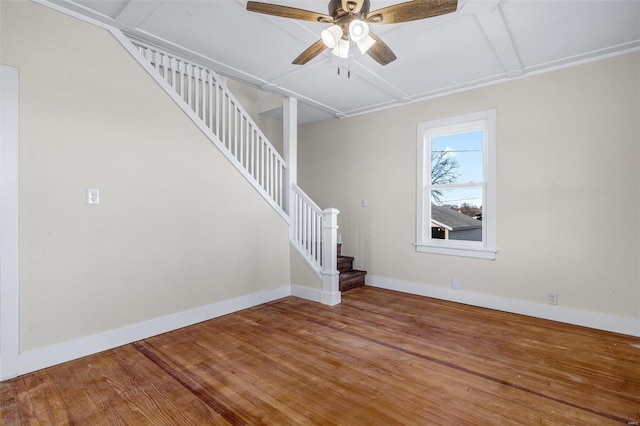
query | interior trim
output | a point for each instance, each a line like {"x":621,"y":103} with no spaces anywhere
{"x":9,"y":266}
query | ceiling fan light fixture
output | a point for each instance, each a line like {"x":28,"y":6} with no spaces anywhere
{"x":332,"y":36}
{"x":350,"y":20}
{"x":358,"y":30}
{"x":364,"y":45}
{"x":342,"y":49}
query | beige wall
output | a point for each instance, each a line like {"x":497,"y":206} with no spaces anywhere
{"x":568,"y":188}
{"x":177,"y":226}
{"x":301,"y":273}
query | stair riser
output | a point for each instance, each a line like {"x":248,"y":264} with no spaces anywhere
{"x":345,"y":266}
{"x":352,"y":283}
{"x":351,"y":279}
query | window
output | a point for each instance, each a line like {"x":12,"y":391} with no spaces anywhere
{"x":456,"y":186}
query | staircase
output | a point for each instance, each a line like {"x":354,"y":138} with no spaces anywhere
{"x":349,"y":278}
{"x":202,"y":94}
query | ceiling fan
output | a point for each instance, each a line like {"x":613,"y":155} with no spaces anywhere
{"x":350,"y":19}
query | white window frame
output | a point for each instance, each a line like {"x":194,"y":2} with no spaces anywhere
{"x":485,"y":249}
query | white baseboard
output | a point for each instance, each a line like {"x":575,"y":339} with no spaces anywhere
{"x":62,"y":352}
{"x":314,"y":295}
{"x":307,"y":293}
{"x":595,"y":320}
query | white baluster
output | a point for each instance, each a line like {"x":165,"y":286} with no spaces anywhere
{"x":256,"y":155}
{"x":202,"y":87}
{"x":312,"y":252}
{"x":274,"y":177}
{"x":280,"y":185}
{"x":196,"y":90}
{"x":318,"y":256}
{"x":243,"y":135}
{"x":181,"y":82}
{"x":210,"y":101}
{"x":229,"y":124}
{"x":269,"y":171}
{"x":174,"y":72}
{"x":296,"y":221}
{"x":235,"y":131}
{"x":224,"y":119}
{"x":263,"y":162}
{"x":190,"y":87}
{"x":305,"y":232}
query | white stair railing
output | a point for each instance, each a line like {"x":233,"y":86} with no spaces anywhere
{"x":203,"y":91}
{"x":307,"y":227}
{"x":314,"y":234}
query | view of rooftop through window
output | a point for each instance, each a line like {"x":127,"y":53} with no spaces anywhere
{"x":456,"y":193}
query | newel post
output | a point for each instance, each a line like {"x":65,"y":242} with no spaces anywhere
{"x":330,"y":274}
{"x":290,"y":148}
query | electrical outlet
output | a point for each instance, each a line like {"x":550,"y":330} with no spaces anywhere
{"x":93,"y":196}
{"x":455,"y":283}
{"x":552,"y":298}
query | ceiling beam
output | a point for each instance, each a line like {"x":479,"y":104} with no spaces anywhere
{"x":496,"y":30}
{"x":136,"y":11}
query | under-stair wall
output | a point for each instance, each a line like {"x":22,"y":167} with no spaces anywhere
{"x":203,"y":95}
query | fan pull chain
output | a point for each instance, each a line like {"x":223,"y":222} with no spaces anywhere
{"x":348,"y":72}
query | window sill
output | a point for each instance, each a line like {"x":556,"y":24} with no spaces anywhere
{"x":475,"y":252}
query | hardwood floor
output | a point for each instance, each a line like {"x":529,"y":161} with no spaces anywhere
{"x":379,"y":358}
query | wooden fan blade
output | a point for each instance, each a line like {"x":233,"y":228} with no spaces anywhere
{"x":312,"y":51}
{"x":412,"y":11}
{"x":287,"y":12}
{"x":380,"y":51}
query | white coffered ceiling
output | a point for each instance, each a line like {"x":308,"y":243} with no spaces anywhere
{"x":484,"y":41}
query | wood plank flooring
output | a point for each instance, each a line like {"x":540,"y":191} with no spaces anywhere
{"x":379,"y":358}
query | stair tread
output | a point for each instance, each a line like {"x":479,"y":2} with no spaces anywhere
{"x":345,"y":258}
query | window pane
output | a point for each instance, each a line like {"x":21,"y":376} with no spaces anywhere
{"x":456,"y":214}
{"x":457,"y":158}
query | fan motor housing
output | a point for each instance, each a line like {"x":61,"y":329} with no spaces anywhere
{"x":338,"y":13}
